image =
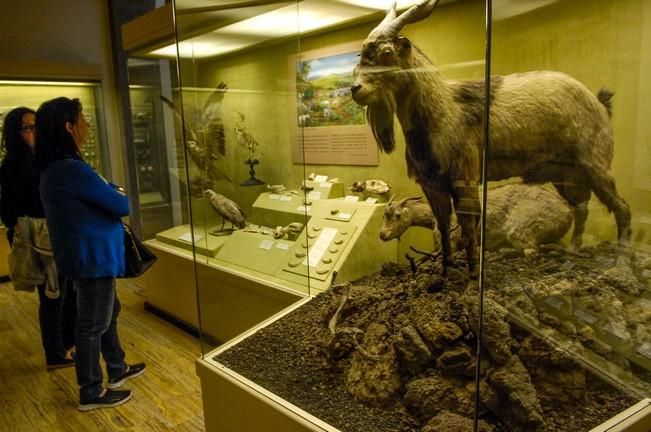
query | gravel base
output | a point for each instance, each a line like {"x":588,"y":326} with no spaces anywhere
{"x":290,"y":359}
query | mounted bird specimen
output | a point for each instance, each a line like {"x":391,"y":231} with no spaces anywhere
{"x":245,"y":138}
{"x":227,"y":209}
{"x":205,"y":142}
{"x":248,"y":141}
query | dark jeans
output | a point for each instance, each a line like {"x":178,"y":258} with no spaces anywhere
{"x":97,"y":312}
{"x":57,"y":317}
{"x":57,"y":320}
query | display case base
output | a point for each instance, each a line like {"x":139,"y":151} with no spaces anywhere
{"x":230,"y":399}
{"x":236,"y":303}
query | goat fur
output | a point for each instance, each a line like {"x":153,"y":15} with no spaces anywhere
{"x":545,"y":126}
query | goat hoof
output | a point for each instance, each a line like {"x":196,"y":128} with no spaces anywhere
{"x":473,"y":273}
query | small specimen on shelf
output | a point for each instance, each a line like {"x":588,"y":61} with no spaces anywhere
{"x":372,"y":187}
{"x":277,"y":188}
{"x":544,"y":127}
{"x":227,"y":209}
{"x":248,"y":141}
{"x":289,"y":231}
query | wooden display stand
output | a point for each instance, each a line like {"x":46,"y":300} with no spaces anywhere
{"x":231,"y":303}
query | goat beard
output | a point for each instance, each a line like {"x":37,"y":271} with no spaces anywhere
{"x":380,"y":117}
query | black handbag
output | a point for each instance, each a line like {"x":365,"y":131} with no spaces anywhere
{"x":138,"y":258}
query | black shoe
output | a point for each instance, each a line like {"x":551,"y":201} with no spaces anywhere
{"x":62,"y":363}
{"x":109,"y":398}
{"x":132,"y":371}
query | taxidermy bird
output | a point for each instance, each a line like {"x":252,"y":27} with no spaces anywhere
{"x":226,"y":208}
{"x":245,"y":138}
{"x":205,"y":142}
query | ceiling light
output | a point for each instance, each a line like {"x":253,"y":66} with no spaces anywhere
{"x":210,"y":46}
{"x":380,"y":4}
{"x":304,"y":17}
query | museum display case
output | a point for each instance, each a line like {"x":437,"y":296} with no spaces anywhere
{"x":31,"y":93}
{"x":352,"y":271}
{"x":155,"y":151}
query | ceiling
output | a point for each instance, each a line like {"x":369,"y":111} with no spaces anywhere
{"x":209,"y":30}
{"x":206,"y":29}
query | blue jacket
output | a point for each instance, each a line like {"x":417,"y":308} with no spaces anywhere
{"x":83,"y":214}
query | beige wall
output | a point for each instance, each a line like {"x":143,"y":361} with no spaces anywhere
{"x":46,"y":38}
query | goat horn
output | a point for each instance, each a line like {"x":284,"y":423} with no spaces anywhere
{"x":403,"y":201}
{"x":390,"y":16}
{"x":391,"y":199}
{"x":391,"y":25}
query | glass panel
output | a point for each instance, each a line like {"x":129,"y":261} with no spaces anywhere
{"x":563,"y":271}
{"x":155,"y":152}
{"x":31,"y":94}
{"x":375,"y":345}
{"x":248,"y":214}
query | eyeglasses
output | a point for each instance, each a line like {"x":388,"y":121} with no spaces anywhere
{"x":27,"y":128}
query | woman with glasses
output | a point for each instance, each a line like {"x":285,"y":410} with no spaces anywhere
{"x":84,"y":214}
{"x":31,"y":260}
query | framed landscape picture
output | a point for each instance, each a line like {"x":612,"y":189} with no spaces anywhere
{"x":330,"y":127}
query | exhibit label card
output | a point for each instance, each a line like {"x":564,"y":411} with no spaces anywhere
{"x":352,"y":198}
{"x":320,"y":247}
{"x":187,"y":237}
{"x":266,"y":244}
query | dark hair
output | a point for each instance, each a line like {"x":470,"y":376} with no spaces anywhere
{"x":13,"y":144}
{"x":53,"y":140}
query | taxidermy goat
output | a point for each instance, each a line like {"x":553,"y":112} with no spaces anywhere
{"x":544,"y":127}
{"x":205,"y":142}
{"x":517,"y":216}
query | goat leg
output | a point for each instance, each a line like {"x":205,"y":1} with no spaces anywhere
{"x":412,"y":263}
{"x":468,"y":210}
{"x":440,"y":202}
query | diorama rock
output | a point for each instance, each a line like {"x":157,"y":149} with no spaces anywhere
{"x":388,"y":353}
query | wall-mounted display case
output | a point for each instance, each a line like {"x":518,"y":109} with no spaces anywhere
{"x":32,"y":93}
{"x":328,"y":299}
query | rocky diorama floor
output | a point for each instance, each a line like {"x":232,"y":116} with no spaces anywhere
{"x":395,"y":351}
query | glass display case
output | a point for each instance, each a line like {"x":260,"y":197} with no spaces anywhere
{"x":31,"y":93}
{"x":354,"y":272}
{"x":155,"y":153}
{"x":15,"y":93}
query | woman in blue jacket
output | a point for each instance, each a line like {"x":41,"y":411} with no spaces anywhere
{"x":83,"y":214}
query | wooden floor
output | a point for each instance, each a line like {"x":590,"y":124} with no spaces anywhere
{"x":167,"y":397}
